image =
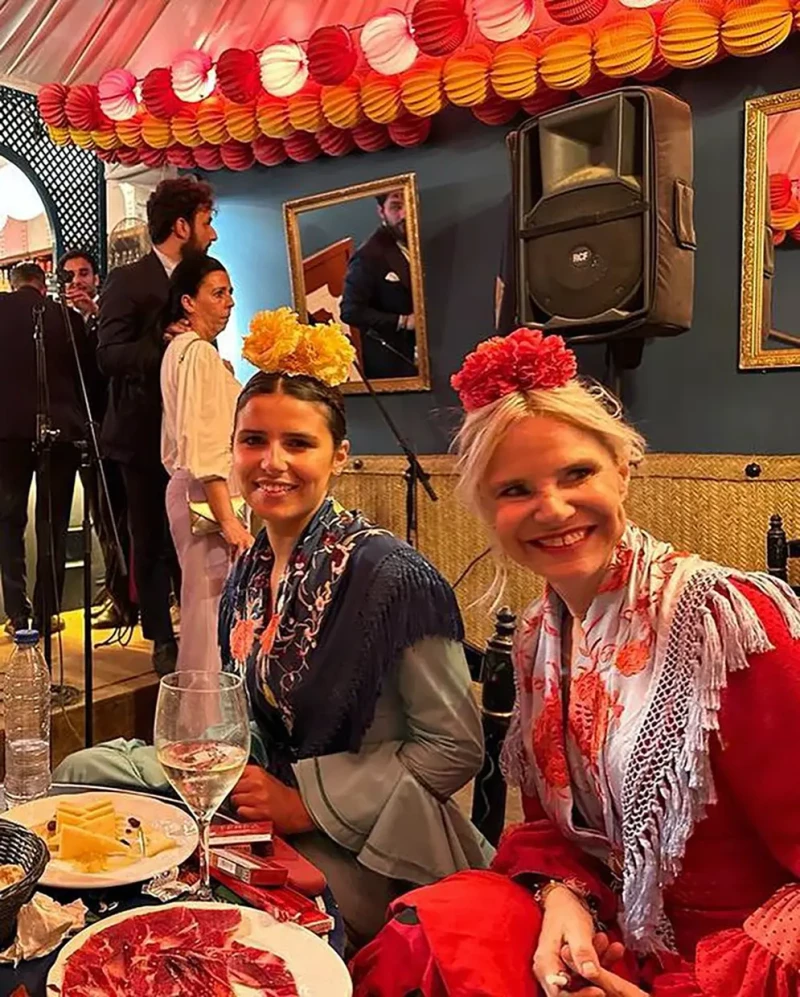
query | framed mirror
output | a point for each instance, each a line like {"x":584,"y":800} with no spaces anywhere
{"x":354,"y":256}
{"x":770,"y":322}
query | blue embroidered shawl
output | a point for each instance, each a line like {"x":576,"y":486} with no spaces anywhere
{"x":353,"y":598}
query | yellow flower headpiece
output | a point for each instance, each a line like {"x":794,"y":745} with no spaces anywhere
{"x":279,"y":343}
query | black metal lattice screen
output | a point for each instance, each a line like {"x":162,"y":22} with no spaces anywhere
{"x":69,"y":180}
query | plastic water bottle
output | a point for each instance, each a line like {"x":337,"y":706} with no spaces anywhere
{"x":27,"y":717}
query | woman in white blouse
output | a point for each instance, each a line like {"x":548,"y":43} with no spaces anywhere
{"x":199,"y":393}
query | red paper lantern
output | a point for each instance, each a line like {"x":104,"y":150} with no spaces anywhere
{"x":82,"y":108}
{"x":51,"y":99}
{"x":440,"y":26}
{"x":158,"y":96}
{"x":180,"y":156}
{"x":335,"y":141}
{"x":239,"y":75}
{"x":269,"y":151}
{"x":237,"y":155}
{"x":331,"y":54}
{"x":302,"y":147}
{"x":495,"y":110}
{"x":544,"y":99}
{"x":780,"y":191}
{"x":598,"y":84}
{"x":408,"y":130}
{"x":574,"y":11}
{"x":207,"y":157}
{"x":107,"y":155}
{"x":370,"y":137}
{"x":128,"y":156}
{"x":153,"y":157}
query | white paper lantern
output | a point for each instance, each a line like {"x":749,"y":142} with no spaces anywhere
{"x":284,"y":69}
{"x":19,"y":199}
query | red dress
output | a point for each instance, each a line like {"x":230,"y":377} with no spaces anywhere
{"x":734,"y":907}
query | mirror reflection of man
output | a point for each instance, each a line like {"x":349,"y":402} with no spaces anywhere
{"x":377,"y":296}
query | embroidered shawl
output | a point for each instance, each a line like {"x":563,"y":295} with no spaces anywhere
{"x":638,"y":701}
{"x":352,"y":599}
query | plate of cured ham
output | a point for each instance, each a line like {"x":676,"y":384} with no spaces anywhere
{"x":195,"y":949}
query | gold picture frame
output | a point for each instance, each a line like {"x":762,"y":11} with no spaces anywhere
{"x":292,"y":210}
{"x":757,"y":252}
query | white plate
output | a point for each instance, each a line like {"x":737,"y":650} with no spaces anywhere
{"x":167,"y":818}
{"x":317,"y":969}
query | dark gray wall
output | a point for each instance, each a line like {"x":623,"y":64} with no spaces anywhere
{"x":688,"y":395}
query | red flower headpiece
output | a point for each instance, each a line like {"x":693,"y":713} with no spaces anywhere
{"x":524,"y":360}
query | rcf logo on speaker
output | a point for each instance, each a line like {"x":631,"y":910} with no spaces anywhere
{"x":581,"y":256}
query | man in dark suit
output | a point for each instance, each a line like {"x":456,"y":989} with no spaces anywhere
{"x":179,"y":214}
{"x":19,"y":461}
{"x":377,"y":295}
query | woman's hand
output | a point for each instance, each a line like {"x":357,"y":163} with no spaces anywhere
{"x":237,"y":535}
{"x":260,"y":796}
{"x":567,"y":928}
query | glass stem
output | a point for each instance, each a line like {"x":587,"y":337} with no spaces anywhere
{"x":203,"y":826}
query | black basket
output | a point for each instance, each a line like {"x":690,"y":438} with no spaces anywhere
{"x":18,"y":846}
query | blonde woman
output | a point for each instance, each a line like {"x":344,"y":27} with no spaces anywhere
{"x":658,"y":696}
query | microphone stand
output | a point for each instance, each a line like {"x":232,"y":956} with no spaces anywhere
{"x":371,"y":334}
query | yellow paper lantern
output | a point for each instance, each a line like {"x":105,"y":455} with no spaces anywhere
{"x":380,"y":98}
{"x":753,"y":28}
{"x":689,"y":35}
{"x":513,"y":74}
{"x":272,"y":114}
{"x":625,"y":44}
{"x":184,"y":128}
{"x":81,"y":138}
{"x":305,"y":108}
{"x":156,"y":132}
{"x":466,"y":75}
{"x":421,"y":87}
{"x":130,"y":132}
{"x":106,"y":138}
{"x":241,"y":120}
{"x":341,"y":104}
{"x":211,"y":120}
{"x":59,"y":135}
{"x":566,"y":59}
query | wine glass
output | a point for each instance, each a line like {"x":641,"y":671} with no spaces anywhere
{"x":202,"y":739}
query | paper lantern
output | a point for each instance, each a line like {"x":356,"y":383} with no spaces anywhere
{"x":335,"y":141}
{"x":81,"y":138}
{"x":778,"y":237}
{"x":387,"y":43}
{"x":574,"y":11}
{"x":782,"y":219}
{"x":237,"y":156}
{"x":780,"y":191}
{"x":185,"y":128}
{"x":180,"y":156}
{"x":794,"y":233}
{"x":82,"y":107}
{"x":241,"y":120}
{"x":639,"y":3}
{"x":130,"y":132}
{"x":755,"y":28}
{"x":305,"y":108}
{"x":117,"y":94}
{"x":58,"y":135}
{"x":331,"y":54}
{"x":302,"y":147}
{"x":107,"y":155}
{"x":495,"y":110}
{"x":284,"y":69}
{"x":466,"y":75}
{"x":156,"y":132}
{"x":566,"y":59}
{"x":689,"y":35}
{"x":598,"y":84}
{"x":370,"y":137}
{"x":380,"y":98}
{"x":239,"y":75}
{"x":544,"y":100}
{"x":158,"y":96}
{"x":208,"y":157}
{"x":211,"y":120}
{"x":19,"y":199}
{"x":129,"y":157}
{"x":440,"y":26}
{"x":51,"y":99}
{"x":422,"y":87}
{"x":503,"y":20}
{"x":269,"y":151}
{"x":513,"y":72}
{"x":341,"y":104}
{"x":193,"y":76}
{"x":625,"y":44}
{"x":272,"y":114}
{"x":408,"y":130}
{"x":105,"y":138}
{"x":153,"y":158}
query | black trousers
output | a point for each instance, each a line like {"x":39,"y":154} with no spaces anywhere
{"x":117,"y":576}
{"x":155,"y":563}
{"x":18,"y":465}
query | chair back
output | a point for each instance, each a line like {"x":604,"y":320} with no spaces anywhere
{"x":779,"y":550}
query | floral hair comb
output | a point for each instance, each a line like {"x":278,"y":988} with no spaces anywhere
{"x":279,"y":343}
{"x":524,"y":360}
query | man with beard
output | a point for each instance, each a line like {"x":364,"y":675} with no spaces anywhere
{"x":377,"y":295}
{"x":179,"y":219}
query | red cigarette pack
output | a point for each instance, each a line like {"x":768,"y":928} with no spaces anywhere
{"x":242,"y":864}
{"x":281,"y":902}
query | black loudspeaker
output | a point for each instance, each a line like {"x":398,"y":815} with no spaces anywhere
{"x":603,"y":213}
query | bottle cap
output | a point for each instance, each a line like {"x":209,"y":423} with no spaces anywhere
{"x":26,"y":637}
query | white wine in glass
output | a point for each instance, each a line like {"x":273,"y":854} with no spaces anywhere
{"x":202,"y":737}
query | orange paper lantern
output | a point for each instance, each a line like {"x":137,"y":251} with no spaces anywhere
{"x":750,"y":28}
{"x":422,"y":87}
{"x":241,"y":121}
{"x":574,"y":11}
{"x":513,"y":73}
{"x":208,"y":157}
{"x":269,"y":151}
{"x":239,"y":75}
{"x":52,"y":98}
{"x":566,"y":59}
{"x":302,"y":147}
{"x":155,"y":132}
{"x":625,"y":44}
{"x":503,"y":20}
{"x":237,"y":156}
{"x":81,"y":138}
{"x":58,"y":135}
{"x":380,"y":98}
{"x":272,"y":114}
{"x":105,"y":138}
{"x":370,"y":137}
{"x":335,"y":141}
{"x":130,"y":132}
{"x":331,"y":54}
{"x":341,"y":104}
{"x":211,"y":120}
{"x":180,"y":156}
{"x":544,"y":100}
{"x":409,"y":130}
{"x":785,"y":218}
{"x":185,"y":129}
{"x":305,"y":108}
{"x":689,"y":34}
{"x":440,"y":26}
{"x":158,"y":96}
{"x":496,"y":110}
{"x":466,"y":75}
